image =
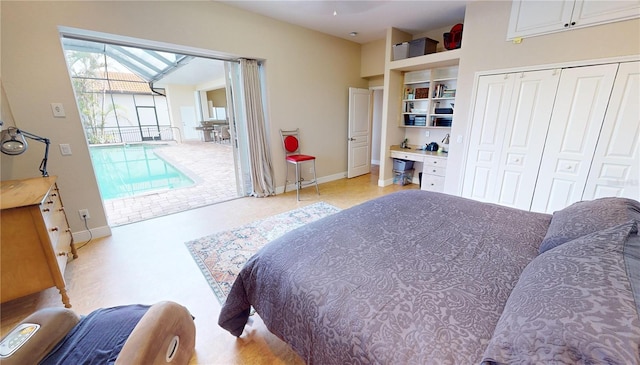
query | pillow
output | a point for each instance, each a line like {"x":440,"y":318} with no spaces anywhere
{"x":582,"y":218}
{"x":573,"y":304}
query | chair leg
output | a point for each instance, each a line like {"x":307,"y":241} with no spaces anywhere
{"x":298,"y":182}
{"x":315,"y":179}
{"x":286,"y":177}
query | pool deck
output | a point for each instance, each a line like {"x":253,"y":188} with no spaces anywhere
{"x":209,"y":164}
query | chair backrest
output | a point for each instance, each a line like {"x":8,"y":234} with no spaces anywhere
{"x":224,"y":132}
{"x":291,"y":141}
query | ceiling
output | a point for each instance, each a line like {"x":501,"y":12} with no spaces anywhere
{"x":369,"y":19}
{"x":197,"y":71}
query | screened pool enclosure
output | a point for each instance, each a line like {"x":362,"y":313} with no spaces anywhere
{"x":115,"y":92}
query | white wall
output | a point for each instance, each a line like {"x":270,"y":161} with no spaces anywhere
{"x":178,"y":97}
{"x":308,"y":75}
{"x":376,"y":125}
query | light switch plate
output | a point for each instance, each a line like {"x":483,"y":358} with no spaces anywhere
{"x":65,"y":149}
{"x":58,"y":110}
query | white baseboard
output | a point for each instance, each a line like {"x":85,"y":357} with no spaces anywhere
{"x":93,"y":233}
{"x":324,"y":179}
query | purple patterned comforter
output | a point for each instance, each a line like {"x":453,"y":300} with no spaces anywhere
{"x":413,"y":277}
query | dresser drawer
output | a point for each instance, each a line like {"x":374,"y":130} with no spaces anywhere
{"x":435,"y":161}
{"x":434,"y":170}
{"x":432,"y":183}
{"x":407,"y":156}
{"x":62,"y":248}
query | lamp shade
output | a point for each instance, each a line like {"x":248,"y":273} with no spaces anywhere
{"x":13,"y":146}
{"x":13,"y":143}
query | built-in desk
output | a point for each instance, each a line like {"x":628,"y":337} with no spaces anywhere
{"x":434,"y":165}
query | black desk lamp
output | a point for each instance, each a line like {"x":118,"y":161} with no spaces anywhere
{"x":13,"y":143}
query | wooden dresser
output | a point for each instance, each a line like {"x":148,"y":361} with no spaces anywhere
{"x":35,"y":238}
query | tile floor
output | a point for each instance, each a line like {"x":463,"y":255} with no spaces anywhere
{"x":209,"y":164}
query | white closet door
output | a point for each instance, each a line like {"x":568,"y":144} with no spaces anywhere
{"x":529,"y":115}
{"x":581,"y":102}
{"x":507,"y":139}
{"x":616,"y":163}
{"x":490,"y":118}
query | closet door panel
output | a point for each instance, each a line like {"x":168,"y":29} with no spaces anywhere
{"x":616,"y":163}
{"x":581,"y":102}
{"x":487,"y":133}
{"x":529,"y":115}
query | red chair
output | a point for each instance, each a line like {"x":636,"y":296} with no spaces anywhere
{"x":291,"y":144}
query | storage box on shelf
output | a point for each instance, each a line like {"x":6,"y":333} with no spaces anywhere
{"x":400,"y":51}
{"x":422,"y":46}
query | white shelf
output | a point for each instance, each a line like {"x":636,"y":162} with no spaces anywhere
{"x":433,"y":60}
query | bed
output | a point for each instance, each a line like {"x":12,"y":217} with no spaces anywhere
{"x":417,"y":277}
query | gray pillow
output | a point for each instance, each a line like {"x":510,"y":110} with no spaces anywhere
{"x":585,"y":217}
{"x":573,"y":304}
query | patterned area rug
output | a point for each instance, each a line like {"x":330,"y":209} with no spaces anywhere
{"x":221,"y":256}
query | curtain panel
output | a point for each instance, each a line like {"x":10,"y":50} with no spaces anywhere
{"x":261,"y":166}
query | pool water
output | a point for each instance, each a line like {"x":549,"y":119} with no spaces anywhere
{"x":129,"y":170}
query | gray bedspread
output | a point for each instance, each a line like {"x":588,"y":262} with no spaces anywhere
{"x":412,"y":277}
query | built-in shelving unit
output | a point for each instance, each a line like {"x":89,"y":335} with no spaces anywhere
{"x":428,"y":98}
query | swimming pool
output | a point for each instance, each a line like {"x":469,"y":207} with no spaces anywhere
{"x":129,"y":170}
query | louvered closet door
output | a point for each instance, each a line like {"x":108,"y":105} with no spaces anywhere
{"x":508,"y":136}
{"x":616,"y":163}
{"x":581,"y":102}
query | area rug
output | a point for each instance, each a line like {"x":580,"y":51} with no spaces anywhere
{"x":222,"y":255}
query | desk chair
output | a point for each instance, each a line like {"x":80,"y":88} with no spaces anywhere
{"x":291,"y":144}
{"x":224,"y":133}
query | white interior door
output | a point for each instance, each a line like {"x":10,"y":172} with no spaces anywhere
{"x":359,"y":138}
{"x":616,"y":163}
{"x":189,"y":122}
{"x":581,"y":102}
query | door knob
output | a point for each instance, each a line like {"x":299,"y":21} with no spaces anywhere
{"x":351,"y":139}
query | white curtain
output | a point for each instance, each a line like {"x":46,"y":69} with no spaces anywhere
{"x":261,"y":167}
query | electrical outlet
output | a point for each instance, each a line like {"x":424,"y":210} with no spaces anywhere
{"x":84,"y":214}
{"x":58,"y":110}
{"x":426,"y":133}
